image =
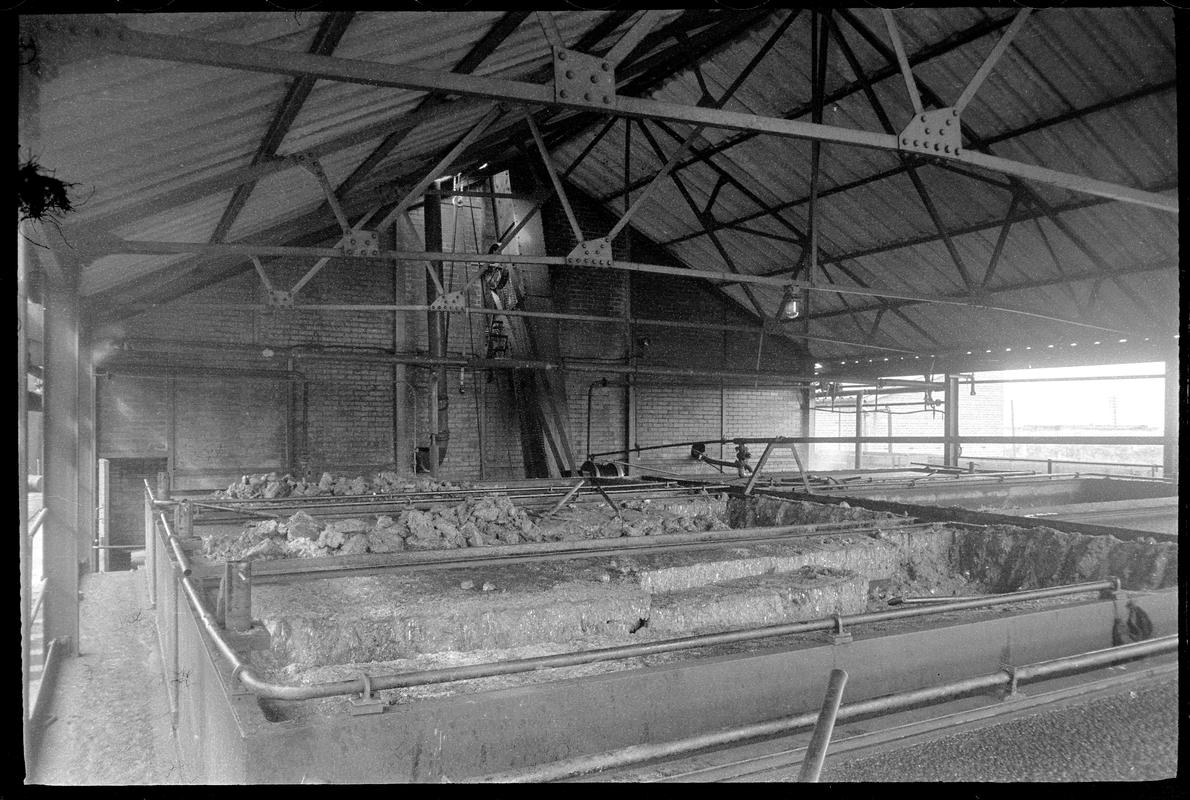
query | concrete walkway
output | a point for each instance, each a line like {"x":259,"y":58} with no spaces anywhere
{"x":109,"y":721}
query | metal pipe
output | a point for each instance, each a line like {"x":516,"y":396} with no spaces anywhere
{"x":150,"y":545}
{"x":252,"y":681}
{"x":862,"y":709}
{"x":821,"y":739}
{"x":566,"y":499}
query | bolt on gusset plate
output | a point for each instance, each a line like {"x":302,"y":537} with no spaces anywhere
{"x":582,"y":79}
{"x":591,"y":253}
{"x":450,"y":301}
{"x":361,"y":243}
{"x":936,"y":132}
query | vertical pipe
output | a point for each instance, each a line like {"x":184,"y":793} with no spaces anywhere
{"x":61,"y":480}
{"x":436,"y":331}
{"x":807,"y":420}
{"x":175,"y":671}
{"x":859,"y":429}
{"x":821,"y":738}
{"x":24,"y":266}
{"x":151,"y":548}
{"x":102,"y":506}
{"x":950,"y":450}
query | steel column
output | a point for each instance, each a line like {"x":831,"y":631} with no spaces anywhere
{"x":859,"y":430}
{"x":85,"y":453}
{"x":1174,"y":393}
{"x":436,"y":333}
{"x":24,"y":268}
{"x":951,"y":448}
{"x":61,"y":479}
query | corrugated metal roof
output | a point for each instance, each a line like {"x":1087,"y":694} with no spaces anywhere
{"x":127,"y":128}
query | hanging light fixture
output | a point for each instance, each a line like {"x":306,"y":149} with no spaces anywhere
{"x":793,"y":304}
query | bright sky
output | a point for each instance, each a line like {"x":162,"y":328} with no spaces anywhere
{"x":1098,"y":402}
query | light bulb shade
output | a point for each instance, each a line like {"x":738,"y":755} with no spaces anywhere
{"x":792,"y":305}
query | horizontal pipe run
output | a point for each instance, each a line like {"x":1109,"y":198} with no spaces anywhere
{"x":254,"y":683}
{"x":541,"y":551}
{"x":852,"y":711}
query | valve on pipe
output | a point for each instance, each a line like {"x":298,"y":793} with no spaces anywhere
{"x":698,"y":452}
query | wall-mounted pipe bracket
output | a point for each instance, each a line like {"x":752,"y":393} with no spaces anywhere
{"x":583,"y":80}
{"x":838,"y":635}
{"x":366,"y":703}
{"x":1011,"y":692}
{"x":936,"y":133}
{"x":591,"y":253}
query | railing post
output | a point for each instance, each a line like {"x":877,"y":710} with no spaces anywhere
{"x":821,"y":738}
{"x":151,"y":547}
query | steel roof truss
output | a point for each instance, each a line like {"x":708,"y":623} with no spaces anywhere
{"x":106,"y":34}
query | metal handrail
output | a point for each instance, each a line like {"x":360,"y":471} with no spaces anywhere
{"x":248,"y":676}
{"x":1005,"y":677}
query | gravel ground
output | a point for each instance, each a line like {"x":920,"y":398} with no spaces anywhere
{"x":1132,"y":736}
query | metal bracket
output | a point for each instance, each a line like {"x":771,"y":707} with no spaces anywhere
{"x":1112,"y":593}
{"x":934,"y":132}
{"x":450,"y":301}
{"x":583,"y":80}
{"x":255,"y":638}
{"x":838,"y":635}
{"x":279,"y":298}
{"x":591,"y":253}
{"x":1012,"y":692}
{"x":361,"y":243}
{"x":366,"y":704}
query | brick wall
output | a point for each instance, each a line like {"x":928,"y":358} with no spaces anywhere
{"x":349,"y":404}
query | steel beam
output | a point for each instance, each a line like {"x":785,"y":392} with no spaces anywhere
{"x":444,"y":162}
{"x":333,"y":26}
{"x":633,"y":36}
{"x":669,"y":163}
{"x":1000,"y":240}
{"x":108,"y":36}
{"x":958,"y":299}
{"x":499,"y":32}
{"x":989,"y":63}
{"x":702,"y":220}
{"x":902,"y":60}
{"x":552,"y":172}
{"x":926,"y":54}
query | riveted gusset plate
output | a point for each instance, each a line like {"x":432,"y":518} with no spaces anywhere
{"x":935,"y":132}
{"x":582,"y":79}
{"x":591,"y":253}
